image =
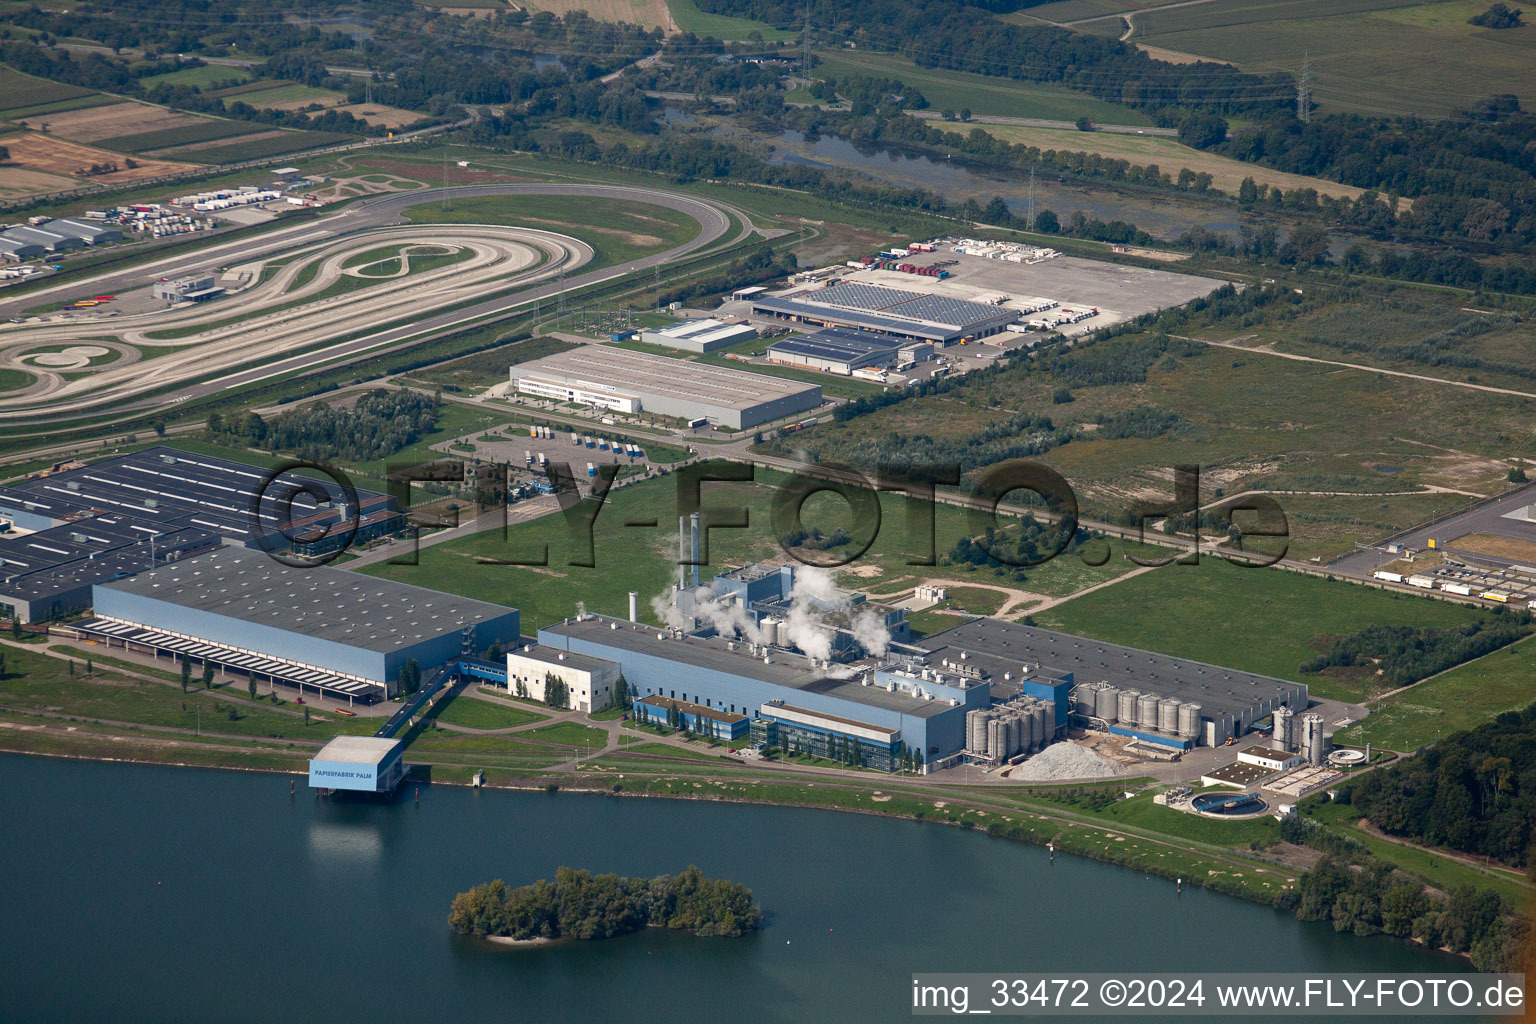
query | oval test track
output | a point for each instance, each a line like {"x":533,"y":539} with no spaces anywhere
{"x":714,"y":221}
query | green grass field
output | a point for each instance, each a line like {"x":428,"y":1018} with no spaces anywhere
{"x":475,"y":713}
{"x":291,"y":92}
{"x":643,"y":558}
{"x":483,"y":369}
{"x":205,"y":130}
{"x":94,"y":99}
{"x":572,"y":734}
{"x":619,"y":231}
{"x":1366,"y":56}
{"x":201,"y":77}
{"x":982,"y":94}
{"x":1443,"y":872}
{"x":689,"y":18}
{"x":229,"y":152}
{"x":21,"y":90}
{"x":1258,"y":620}
{"x":1463,"y":698}
{"x":13,"y":380}
{"x":34,"y":682}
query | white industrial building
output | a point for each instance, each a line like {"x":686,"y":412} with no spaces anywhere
{"x":590,"y":682}
{"x":626,"y":381}
{"x":186,"y":289}
{"x":700,"y":336}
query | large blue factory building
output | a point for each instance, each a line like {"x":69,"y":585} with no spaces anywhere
{"x":880,"y":709}
{"x":327,"y":630}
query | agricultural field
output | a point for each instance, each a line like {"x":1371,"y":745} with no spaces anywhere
{"x":380,"y":115}
{"x":1169,"y":155}
{"x":201,"y":77}
{"x":21,"y":90}
{"x":1463,"y":698}
{"x":36,"y":152}
{"x":645,"y":13}
{"x":983,"y":94}
{"x":1366,"y":56}
{"x":1266,"y":621}
{"x":688,"y":18}
{"x":95,"y":99}
{"x":270,"y":142}
{"x":114,"y":121}
{"x":202,"y":130}
{"x":279,"y":95}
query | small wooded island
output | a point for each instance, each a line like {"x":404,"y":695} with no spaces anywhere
{"x":581,"y":905}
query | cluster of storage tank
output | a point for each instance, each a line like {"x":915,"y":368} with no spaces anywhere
{"x":1010,"y":731}
{"x":1136,"y":710}
{"x":1303,"y":735}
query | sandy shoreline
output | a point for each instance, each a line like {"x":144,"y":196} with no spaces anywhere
{"x":506,"y":940}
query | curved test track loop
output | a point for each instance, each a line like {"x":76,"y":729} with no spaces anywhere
{"x":269,"y":327}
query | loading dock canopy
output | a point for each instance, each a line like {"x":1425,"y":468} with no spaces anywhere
{"x":283,"y":671}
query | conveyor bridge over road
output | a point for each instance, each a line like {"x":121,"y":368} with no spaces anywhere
{"x":448,"y":675}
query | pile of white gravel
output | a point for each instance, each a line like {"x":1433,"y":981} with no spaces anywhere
{"x":1066,"y":761}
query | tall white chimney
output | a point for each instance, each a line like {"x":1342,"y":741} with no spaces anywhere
{"x":634,"y":614}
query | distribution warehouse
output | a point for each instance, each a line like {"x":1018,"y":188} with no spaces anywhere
{"x":64,"y":531}
{"x":328,"y":630}
{"x":897,"y":312}
{"x":627,"y":381}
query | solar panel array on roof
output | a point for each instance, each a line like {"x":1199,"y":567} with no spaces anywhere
{"x":860,"y":296}
{"x":119,"y":516}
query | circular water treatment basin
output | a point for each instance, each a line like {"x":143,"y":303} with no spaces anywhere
{"x":1228,"y":803}
{"x":1347,"y":757}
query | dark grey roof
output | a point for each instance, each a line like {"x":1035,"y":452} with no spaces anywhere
{"x":1001,"y":646}
{"x":330,"y":604}
{"x":833,"y":343}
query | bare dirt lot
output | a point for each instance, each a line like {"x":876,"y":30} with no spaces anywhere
{"x":379,"y":114}
{"x":53,"y":155}
{"x":110,"y":121}
{"x":19,"y":181}
{"x":1499,"y":547}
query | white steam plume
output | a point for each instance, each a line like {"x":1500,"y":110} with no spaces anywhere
{"x":870,"y":631}
{"x":667,"y":612}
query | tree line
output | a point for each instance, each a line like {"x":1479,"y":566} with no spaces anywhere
{"x":379,"y":423}
{"x":1401,"y":655}
{"x":1473,"y":791}
{"x":969,"y":37}
{"x":580,"y":905}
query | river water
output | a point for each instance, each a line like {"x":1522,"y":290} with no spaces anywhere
{"x":1165,"y":215}
{"x":139,"y":893}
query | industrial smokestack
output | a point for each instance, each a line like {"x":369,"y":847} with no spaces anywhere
{"x":693,"y":532}
{"x":634,"y":613}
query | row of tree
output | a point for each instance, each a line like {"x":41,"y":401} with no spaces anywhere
{"x":379,"y":423}
{"x":1472,"y":791}
{"x":580,"y":905}
{"x":1401,"y":655}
